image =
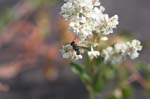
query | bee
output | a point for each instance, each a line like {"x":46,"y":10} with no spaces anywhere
{"x":75,"y":47}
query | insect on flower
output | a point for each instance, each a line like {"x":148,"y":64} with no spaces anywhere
{"x":72,"y":50}
{"x":76,"y":47}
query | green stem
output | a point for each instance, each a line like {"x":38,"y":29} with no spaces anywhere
{"x":90,"y":92}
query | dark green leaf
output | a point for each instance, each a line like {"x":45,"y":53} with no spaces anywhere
{"x":77,"y":68}
{"x":109,"y":74}
{"x":127,"y":91}
{"x":85,"y":77}
{"x":98,"y":85}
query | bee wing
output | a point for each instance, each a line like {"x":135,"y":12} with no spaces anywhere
{"x":83,"y":47}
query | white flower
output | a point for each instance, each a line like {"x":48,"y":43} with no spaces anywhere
{"x":134,"y":47}
{"x":96,"y":2}
{"x":93,"y":54}
{"x":119,"y":52}
{"x":110,"y":55}
{"x":113,"y":22}
{"x":75,"y":56}
{"x":108,"y":52}
{"x":84,"y":17}
{"x":104,"y":38}
{"x":135,"y":44}
{"x":107,"y":24}
{"x":134,"y":55}
{"x":121,"y":47}
{"x":118,"y":93}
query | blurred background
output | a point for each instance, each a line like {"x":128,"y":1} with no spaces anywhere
{"x":31,"y":33}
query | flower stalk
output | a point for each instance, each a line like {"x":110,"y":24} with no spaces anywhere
{"x":90,"y":90}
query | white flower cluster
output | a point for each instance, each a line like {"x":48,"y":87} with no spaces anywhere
{"x":88,"y":20}
{"x":119,"y":51}
{"x":86,"y":16}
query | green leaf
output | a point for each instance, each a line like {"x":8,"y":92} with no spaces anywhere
{"x":98,"y":85}
{"x":76,"y":68}
{"x":85,"y":77}
{"x":127,"y":91}
{"x":109,"y":74}
{"x":98,"y":61}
